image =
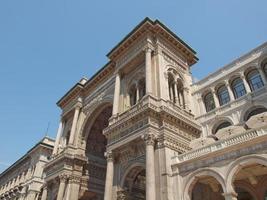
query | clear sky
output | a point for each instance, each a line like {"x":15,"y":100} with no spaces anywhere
{"x":47,"y":46}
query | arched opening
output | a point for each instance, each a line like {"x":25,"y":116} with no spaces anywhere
{"x":254,"y":80}
{"x":254,"y":111}
{"x":238,"y":88}
{"x":247,"y":180}
{"x":96,"y":143}
{"x":223,"y":95}
{"x":132,"y":95}
{"x":134,"y":184}
{"x":221,"y":125}
{"x":209,"y":102}
{"x":243,"y":194}
{"x":171,"y":87}
{"x":247,"y":176}
{"x":208,"y":188}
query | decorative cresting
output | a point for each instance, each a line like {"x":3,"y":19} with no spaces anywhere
{"x":192,"y":179}
{"x":150,"y":140}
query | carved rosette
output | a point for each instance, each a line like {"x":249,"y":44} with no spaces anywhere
{"x":149,"y":139}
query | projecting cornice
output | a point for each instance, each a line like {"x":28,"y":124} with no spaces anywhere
{"x":155,"y":28}
{"x":85,"y":85}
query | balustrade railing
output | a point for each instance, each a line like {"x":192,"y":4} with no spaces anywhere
{"x":221,"y":144}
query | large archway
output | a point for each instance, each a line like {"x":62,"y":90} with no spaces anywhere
{"x":96,"y":143}
{"x":208,"y":188}
{"x":247,"y":176}
{"x":133,"y":184}
{"x":204,"y":184}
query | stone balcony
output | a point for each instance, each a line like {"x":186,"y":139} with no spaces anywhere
{"x":127,"y":123}
{"x":224,"y":146}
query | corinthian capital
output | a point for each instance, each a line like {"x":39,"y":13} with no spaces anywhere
{"x":109,"y":155}
{"x":149,"y":138}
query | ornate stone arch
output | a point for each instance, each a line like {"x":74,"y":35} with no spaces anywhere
{"x":174,"y":71}
{"x":238,"y":164}
{"x":139,"y":165}
{"x":193,"y":178}
{"x":140,"y":74}
{"x":244,"y":113}
{"x":92,"y":114}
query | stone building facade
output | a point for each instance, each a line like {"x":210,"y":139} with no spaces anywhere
{"x":141,"y":129}
{"x":24,"y":179}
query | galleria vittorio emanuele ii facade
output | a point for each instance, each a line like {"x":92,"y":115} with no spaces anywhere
{"x":140,"y":129}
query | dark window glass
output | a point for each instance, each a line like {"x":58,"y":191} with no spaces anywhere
{"x":222,"y":125}
{"x":238,"y":88}
{"x":254,"y":79}
{"x":265,"y":68}
{"x":223,"y":95}
{"x":209,"y":102}
{"x":255,"y":112}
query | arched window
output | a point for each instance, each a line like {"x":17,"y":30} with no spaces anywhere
{"x":223,"y":95}
{"x":132,"y":94}
{"x":265,"y":68}
{"x":255,"y":112}
{"x":221,"y":126}
{"x":209,"y":102}
{"x":254,"y":79}
{"x":238,"y":88}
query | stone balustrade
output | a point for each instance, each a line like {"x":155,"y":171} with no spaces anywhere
{"x":220,"y":145}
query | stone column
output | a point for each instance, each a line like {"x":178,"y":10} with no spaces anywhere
{"x":215,"y":97}
{"x":202,"y":108}
{"x":150,"y":166}
{"x":74,"y":123}
{"x":170,"y":93}
{"x":62,"y":185}
{"x":148,"y":71}
{"x":245,"y":82}
{"x":44,"y":194}
{"x":230,"y":91}
{"x":73,"y":188}
{"x":230,"y":196}
{"x":116,"y":102}
{"x":109,"y":176}
{"x":59,"y":133}
{"x":137,"y":93}
{"x":185,"y":98}
{"x":263,"y":77}
{"x":175,"y":93}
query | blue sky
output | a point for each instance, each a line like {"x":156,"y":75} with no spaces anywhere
{"x":47,"y":46}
